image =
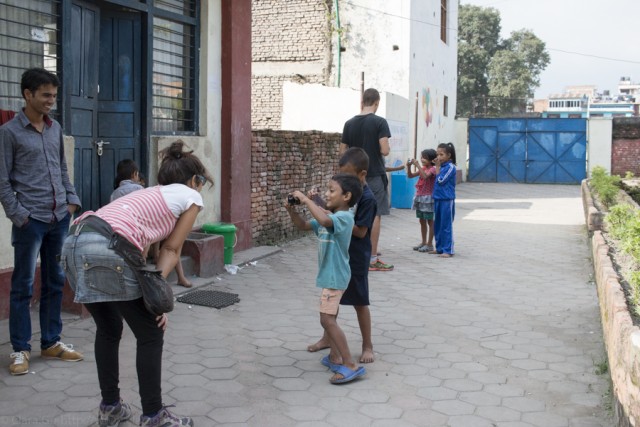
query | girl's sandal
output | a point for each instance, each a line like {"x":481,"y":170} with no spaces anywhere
{"x":425,"y":248}
{"x":419,"y":246}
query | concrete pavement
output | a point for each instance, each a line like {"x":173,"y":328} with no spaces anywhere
{"x":505,"y":334}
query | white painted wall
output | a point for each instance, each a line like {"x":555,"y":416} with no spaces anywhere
{"x":323,"y":108}
{"x":317,"y":107}
{"x":371,"y":30}
{"x":461,"y":144}
{"x":422,"y":64}
{"x":599,"y":140}
{"x":433,"y":72}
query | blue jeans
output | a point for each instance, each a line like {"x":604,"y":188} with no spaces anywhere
{"x":28,"y":241}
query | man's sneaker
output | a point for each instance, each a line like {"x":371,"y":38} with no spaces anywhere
{"x":112,"y":415}
{"x":20,"y":364}
{"x":62,"y":351}
{"x":380,"y":266}
{"x":164,"y":418}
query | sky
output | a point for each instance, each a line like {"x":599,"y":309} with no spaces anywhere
{"x":591,"y":29}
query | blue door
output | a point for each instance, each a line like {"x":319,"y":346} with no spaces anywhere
{"x":549,"y":151}
{"x":105,"y":96}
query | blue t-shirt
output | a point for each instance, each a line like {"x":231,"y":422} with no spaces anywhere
{"x":360,"y":248}
{"x":445,"y":187}
{"x":333,"y":251}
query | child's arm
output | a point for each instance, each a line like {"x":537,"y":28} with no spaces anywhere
{"x":359,"y":231}
{"x":316,"y":211}
{"x":393,"y":168}
{"x":410,"y":172}
{"x":296,"y":218}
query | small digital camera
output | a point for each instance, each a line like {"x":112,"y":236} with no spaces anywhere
{"x":293,"y":200}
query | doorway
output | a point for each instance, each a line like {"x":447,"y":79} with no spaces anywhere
{"x":103,"y":85}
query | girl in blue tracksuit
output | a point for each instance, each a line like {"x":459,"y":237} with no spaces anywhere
{"x":444,"y":196}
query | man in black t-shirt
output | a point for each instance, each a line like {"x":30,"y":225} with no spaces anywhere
{"x":371,"y":133}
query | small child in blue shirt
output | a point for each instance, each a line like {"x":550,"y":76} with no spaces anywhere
{"x":333,"y":227}
{"x":355,"y":162}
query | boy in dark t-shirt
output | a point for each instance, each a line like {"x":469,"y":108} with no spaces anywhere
{"x":355,"y":161}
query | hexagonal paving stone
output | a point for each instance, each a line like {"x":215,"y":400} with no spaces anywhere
{"x":422,"y":381}
{"x":504,"y":390}
{"x":528,"y":364}
{"x":231,"y":415}
{"x":188,"y":393}
{"x":591,"y":400}
{"x":462,"y":384}
{"x":186,"y":380}
{"x":283,"y":372}
{"x":217,"y":362}
{"x":380,"y":411}
{"x":267,"y":342}
{"x":437,"y":393}
{"x":498,"y":413}
{"x":447,"y":373}
{"x":338,"y":404}
{"x":566,"y":368}
{"x":488,"y":377}
{"x":291,"y":384}
{"x":524,"y":404}
{"x":453,"y":407}
{"x":469,"y":421}
{"x":511,"y":354}
{"x":544,"y":419}
{"x":546,"y":375}
{"x":306,"y":413}
{"x":351,"y":419}
{"x":480,"y":398}
{"x":369,"y":396}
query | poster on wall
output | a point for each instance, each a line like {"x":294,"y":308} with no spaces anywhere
{"x":399,"y":144}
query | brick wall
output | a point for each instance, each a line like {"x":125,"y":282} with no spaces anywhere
{"x":283,"y":161}
{"x":625,"y":148}
{"x":287,"y":36}
{"x":289,"y":30}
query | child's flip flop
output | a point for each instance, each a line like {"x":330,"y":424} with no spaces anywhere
{"x":327,"y":362}
{"x":347,"y":374}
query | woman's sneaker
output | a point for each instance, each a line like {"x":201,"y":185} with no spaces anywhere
{"x":164,"y":418}
{"x":112,"y":415}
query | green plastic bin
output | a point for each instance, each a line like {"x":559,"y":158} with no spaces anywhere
{"x":228,"y":231}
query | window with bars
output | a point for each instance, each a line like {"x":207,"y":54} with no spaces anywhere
{"x":174,"y":63}
{"x":29,"y":37}
{"x":443,"y":20}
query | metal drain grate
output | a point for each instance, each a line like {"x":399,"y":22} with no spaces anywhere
{"x":215,"y":299}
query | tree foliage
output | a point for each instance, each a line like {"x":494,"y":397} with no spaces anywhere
{"x":489,"y":66}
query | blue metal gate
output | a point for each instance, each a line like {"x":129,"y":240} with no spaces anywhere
{"x":543,"y":151}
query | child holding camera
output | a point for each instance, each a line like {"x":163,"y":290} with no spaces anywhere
{"x":423,"y":200}
{"x":333,"y":229}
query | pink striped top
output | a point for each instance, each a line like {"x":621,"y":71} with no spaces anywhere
{"x":142,"y":217}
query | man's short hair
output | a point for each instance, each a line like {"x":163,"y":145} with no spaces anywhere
{"x":357,"y":157}
{"x":33,"y":78}
{"x":370,"y":97}
{"x":349,"y":184}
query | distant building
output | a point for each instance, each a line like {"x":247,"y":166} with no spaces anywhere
{"x":585,"y":101}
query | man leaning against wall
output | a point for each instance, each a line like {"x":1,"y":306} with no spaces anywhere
{"x":39,"y":199}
